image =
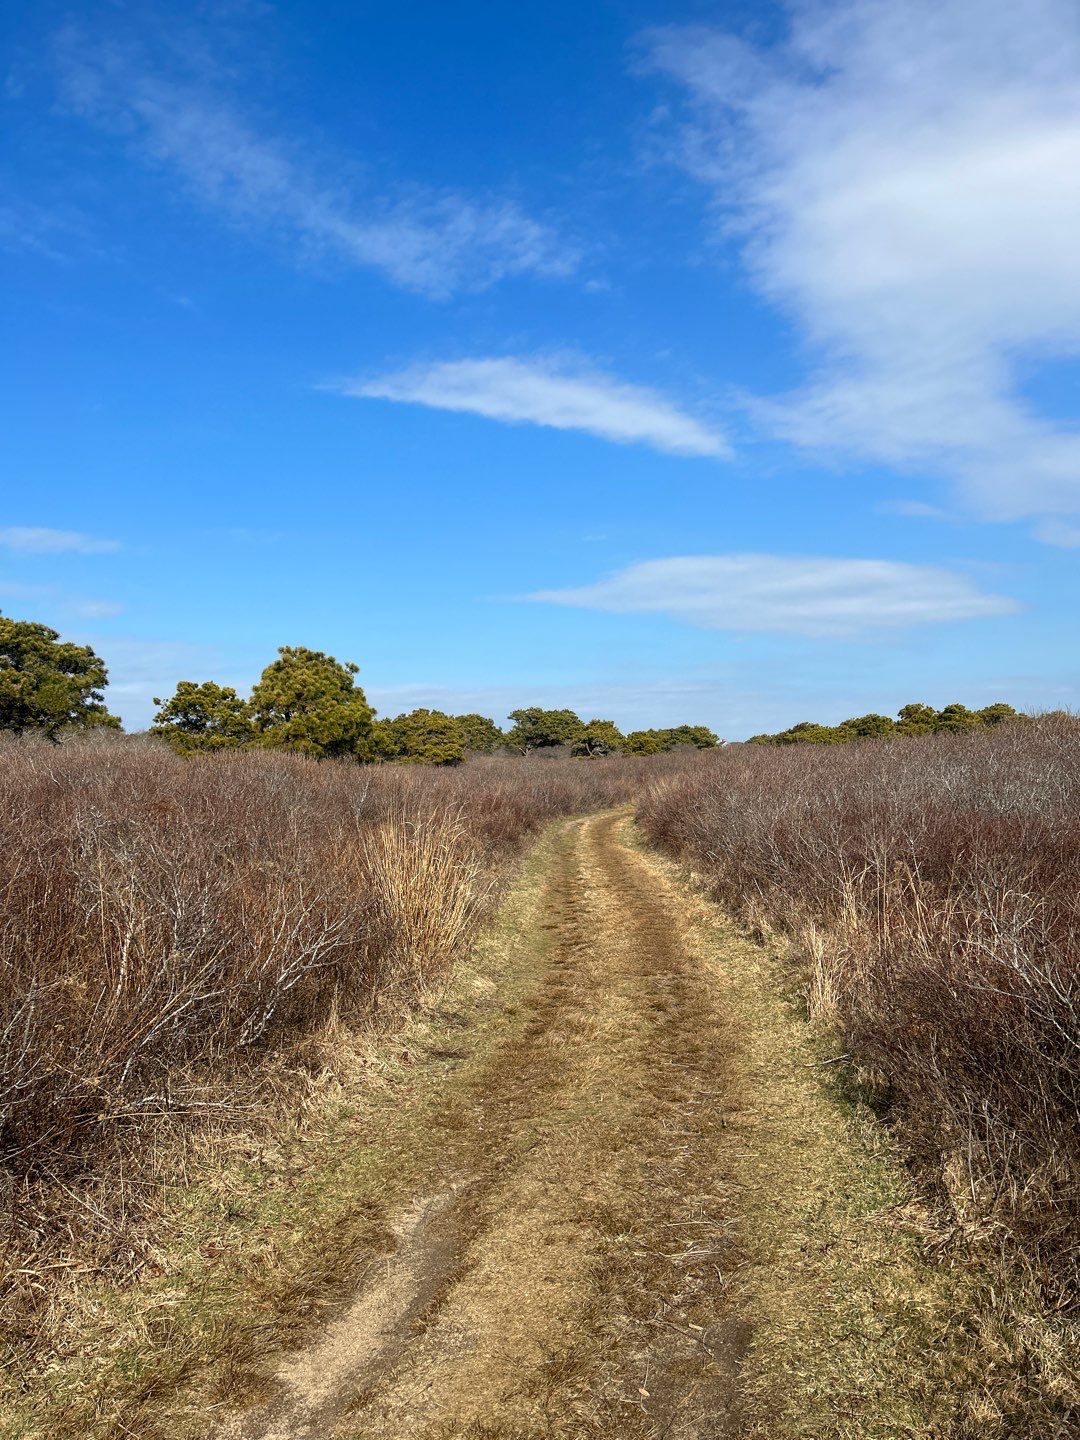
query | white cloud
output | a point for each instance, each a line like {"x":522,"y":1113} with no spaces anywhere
{"x":1059,"y":533}
{"x":913,"y":510}
{"x":799,"y":595}
{"x":906,"y":181}
{"x":96,"y":609}
{"x":433,"y":241}
{"x":541,"y":392}
{"x":56,"y":603}
{"x":38,"y":540}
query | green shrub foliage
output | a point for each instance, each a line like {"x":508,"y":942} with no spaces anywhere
{"x":304,"y":701}
{"x":598,"y":737}
{"x":480,"y":735}
{"x":47,"y":684}
{"x":422,"y":737}
{"x":203,"y":717}
{"x":914,"y":719}
{"x":659,"y":742}
{"x":536,"y":729}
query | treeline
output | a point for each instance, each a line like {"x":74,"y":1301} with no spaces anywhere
{"x":914,"y":719}
{"x":305,"y":701}
{"x":309,"y":702}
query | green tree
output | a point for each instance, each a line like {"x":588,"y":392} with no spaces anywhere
{"x":306,"y":700}
{"x":659,"y":741}
{"x":868,"y":727}
{"x":997,"y":714}
{"x":913,"y":719}
{"x":98,"y":718}
{"x":598,"y":737}
{"x":203,"y":717}
{"x":809,"y":732}
{"x":536,"y":729}
{"x":700,"y":736}
{"x":955,"y":718}
{"x":644,"y":742}
{"x":422,"y":737}
{"x":480,"y":735}
{"x":48,"y":684}
{"x":916,"y":719}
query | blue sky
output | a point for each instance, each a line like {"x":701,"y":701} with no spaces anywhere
{"x":686,"y":362}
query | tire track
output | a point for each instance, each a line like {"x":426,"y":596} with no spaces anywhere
{"x":569,"y":1280}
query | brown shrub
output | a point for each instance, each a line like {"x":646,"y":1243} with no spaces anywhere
{"x":932,"y":887}
{"x":160,"y":914}
{"x":180,"y":941}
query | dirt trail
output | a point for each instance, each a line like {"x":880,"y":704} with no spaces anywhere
{"x":567,"y":1278}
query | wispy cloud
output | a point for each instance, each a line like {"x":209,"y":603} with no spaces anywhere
{"x":97,"y":609}
{"x":913,"y":510}
{"x":798,"y":595}
{"x":906,"y":182}
{"x":1058,"y":533}
{"x":433,"y":241}
{"x":38,"y":540}
{"x":27,"y":226}
{"x":58,"y":604}
{"x":540,"y":392}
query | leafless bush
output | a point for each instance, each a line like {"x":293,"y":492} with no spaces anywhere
{"x":932,"y":887}
{"x":169,"y":927}
{"x":156,"y":912}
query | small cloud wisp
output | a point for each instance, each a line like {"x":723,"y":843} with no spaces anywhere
{"x":813,"y":596}
{"x":537,"y":392}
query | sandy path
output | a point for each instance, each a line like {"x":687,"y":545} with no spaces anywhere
{"x":568,"y":1279}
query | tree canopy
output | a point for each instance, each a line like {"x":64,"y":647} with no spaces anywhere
{"x":422,"y":737}
{"x":480,"y":735}
{"x":699,"y":736}
{"x":916,"y":719}
{"x":537,"y":729}
{"x":48,"y":684}
{"x":306,"y":700}
{"x":598,"y":737}
{"x":203,"y":717}
{"x":913,"y":719}
{"x":659,"y":742}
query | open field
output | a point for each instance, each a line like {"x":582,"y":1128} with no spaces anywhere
{"x":319,"y":1122}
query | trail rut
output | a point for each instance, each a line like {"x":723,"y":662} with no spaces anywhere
{"x":567,"y":1278}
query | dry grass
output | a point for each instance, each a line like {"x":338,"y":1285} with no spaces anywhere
{"x":176,"y":936}
{"x":929,"y":892}
{"x":194,"y":953}
{"x":932,"y":889}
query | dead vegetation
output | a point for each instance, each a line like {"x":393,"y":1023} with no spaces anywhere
{"x":173,"y":933}
{"x":199,"y":955}
{"x":601,"y":1187}
{"x":930,"y":892}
